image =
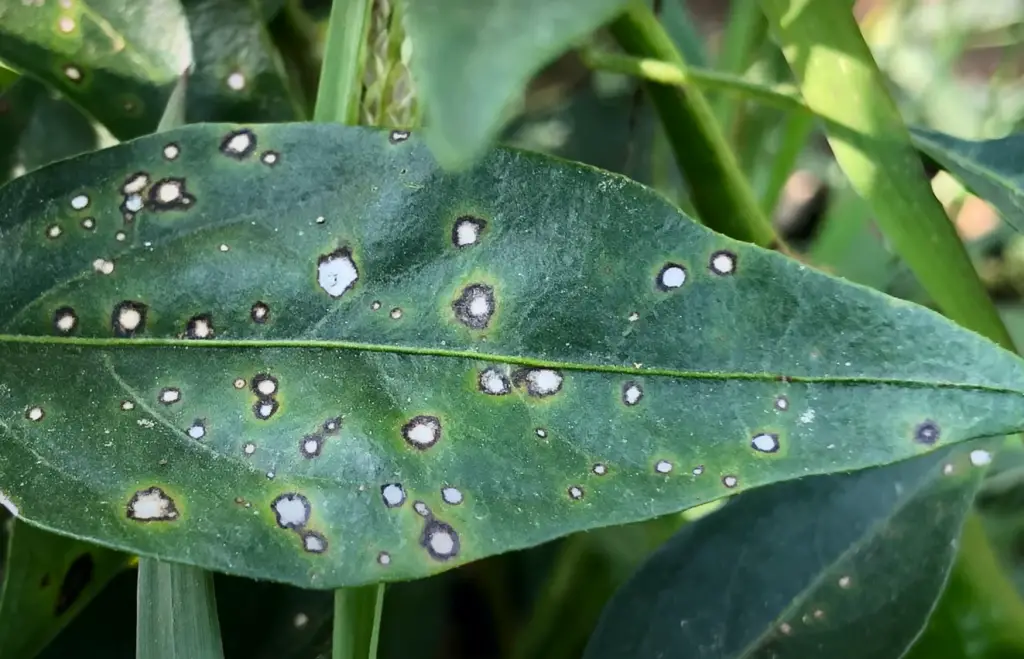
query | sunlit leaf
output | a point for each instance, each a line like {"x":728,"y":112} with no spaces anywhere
{"x":802,"y":569}
{"x":47,"y":580}
{"x":473,"y":59}
{"x":305,"y":353}
{"x":117,"y":59}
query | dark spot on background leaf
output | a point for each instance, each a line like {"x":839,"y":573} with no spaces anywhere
{"x":76,"y":580}
{"x":927,"y":433}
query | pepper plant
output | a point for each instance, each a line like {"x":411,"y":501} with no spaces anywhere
{"x":294,"y":309}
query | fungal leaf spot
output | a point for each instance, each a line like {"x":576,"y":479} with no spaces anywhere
{"x":238,"y":144}
{"x":128,"y":319}
{"x":313,"y":542}
{"x":65,"y":320}
{"x":393,"y":494}
{"x":170,"y":194}
{"x":265,"y":408}
{"x":199,"y":327}
{"x":259,"y":313}
{"x":765,"y":442}
{"x":451,"y":495}
{"x":422,"y":432}
{"x":311,"y":445}
{"x":475,"y":306}
{"x":494,"y":382}
{"x":540,"y":382}
{"x":926,"y":433}
{"x":670,"y":277}
{"x":337,"y":272}
{"x":632,"y":392}
{"x":440,"y":540}
{"x":467,"y":231}
{"x":151,"y":505}
{"x":291,"y":509}
{"x":397,"y":136}
{"x":722,"y":262}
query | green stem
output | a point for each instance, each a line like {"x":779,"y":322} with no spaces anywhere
{"x":341,"y":77}
{"x":177,"y":613}
{"x":721,"y":195}
{"x":357,"y":614}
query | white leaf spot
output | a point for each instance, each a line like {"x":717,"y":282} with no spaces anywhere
{"x":80,"y":202}
{"x":723,"y":263}
{"x":663,"y":467}
{"x":451,"y":495}
{"x":671,"y":276}
{"x":765,"y":442}
{"x":236,"y":81}
{"x":575,"y":492}
{"x":393,"y":495}
{"x":543,"y":382}
{"x":151,"y":505}
{"x":599,"y":469}
{"x":980,"y":457}
{"x":422,"y":431}
{"x":336,"y":272}
{"x":292,"y":510}
{"x":632,"y":393}
{"x":35,"y":414}
{"x":494,"y":382}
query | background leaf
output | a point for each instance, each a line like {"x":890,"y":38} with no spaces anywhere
{"x":239,"y":75}
{"x":472,"y":60}
{"x":801,"y":568}
{"x":117,"y":59}
{"x":47,"y":581}
{"x":345,"y":439}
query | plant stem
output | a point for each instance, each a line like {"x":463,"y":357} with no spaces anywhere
{"x":341,"y":77}
{"x":177,"y":613}
{"x":357,"y":622}
{"x":721,"y":195}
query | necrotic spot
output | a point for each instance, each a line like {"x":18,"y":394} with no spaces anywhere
{"x":135,"y":183}
{"x":396,"y":313}
{"x":422,"y":432}
{"x":75,"y":581}
{"x":53,"y":232}
{"x":73,"y":73}
{"x":337,"y":272}
{"x":199,"y":327}
{"x":467,"y":231}
{"x":264,"y":385}
{"x":540,"y":382}
{"x":782,"y":403}
{"x":474,"y":306}
{"x":384,"y":558}
{"x":397,"y":136}
{"x":927,"y":433}
{"x":729,"y":481}
{"x":332,"y":426}
{"x":35,"y":413}
{"x":238,"y":144}
{"x":169,"y":395}
{"x":129,"y":318}
{"x":292,"y":510}
{"x":270,"y":158}
{"x":671,"y":276}
{"x":198,"y":429}
{"x":80,"y":202}
{"x":451,"y":495}
{"x":698,"y":470}
{"x":65,"y":320}
{"x":89,"y":223}
{"x":599,"y":469}
{"x":494,"y":383}
{"x":393,"y":494}
{"x":440,"y":540}
{"x":663,"y":467}
{"x":765,"y":442}
{"x":260,"y":313}
{"x":542,"y":433}
{"x":722,"y":262}
{"x":313,"y":542}
{"x":151,"y":505}
{"x":169,"y":194}
{"x":632,"y":392}
{"x":171,"y":151}
{"x":575,"y":492}
{"x":311,"y":445}
{"x":249,"y":448}
{"x":265,"y":408}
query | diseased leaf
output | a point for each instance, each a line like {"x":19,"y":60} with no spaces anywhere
{"x":239,"y":75}
{"x":473,"y":59}
{"x":306,"y":353}
{"x":117,"y":59}
{"x":990,"y":169}
{"x":47,"y":580}
{"x":802,"y":569}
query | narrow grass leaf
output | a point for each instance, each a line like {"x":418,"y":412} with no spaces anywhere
{"x":177,"y":613}
{"x":48,"y":580}
{"x":473,"y":59}
{"x":116,"y":59}
{"x":802,"y":568}
{"x":306,"y":353}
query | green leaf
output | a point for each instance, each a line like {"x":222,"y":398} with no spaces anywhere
{"x":239,"y":74}
{"x":17,"y":104}
{"x":117,"y":59}
{"x":474,"y":59}
{"x":48,"y":579}
{"x":177,"y":615}
{"x":205,"y":382}
{"x":990,"y":169}
{"x":801,"y":569}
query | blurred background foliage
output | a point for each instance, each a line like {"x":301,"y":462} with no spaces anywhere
{"x":954,"y":66}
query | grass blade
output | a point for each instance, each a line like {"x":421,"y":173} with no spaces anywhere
{"x":357,"y":622}
{"x":177,"y":614}
{"x":841,"y":83}
{"x":344,"y":54}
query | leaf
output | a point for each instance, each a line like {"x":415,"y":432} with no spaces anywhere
{"x":177,"y":613}
{"x":473,"y":59}
{"x":47,"y":580}
{"x":988,"y":168}
{"x":239,"y":75}
{"x":17,"y":104}
{"x":326,"y":425}
{"x":117,"y":59}
{"x":801,"y":569}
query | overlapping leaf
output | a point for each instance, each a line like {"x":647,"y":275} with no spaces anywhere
{"x":802,"y":569}
{"x":472,"y":59}
{"x":306,"y":353}
{"x":47,"y":581}
{"x":115,"y":58}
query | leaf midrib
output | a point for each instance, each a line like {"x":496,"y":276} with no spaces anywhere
{"x":516,"y":360}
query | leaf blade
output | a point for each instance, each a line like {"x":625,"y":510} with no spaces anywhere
{"x":180,"y":414}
